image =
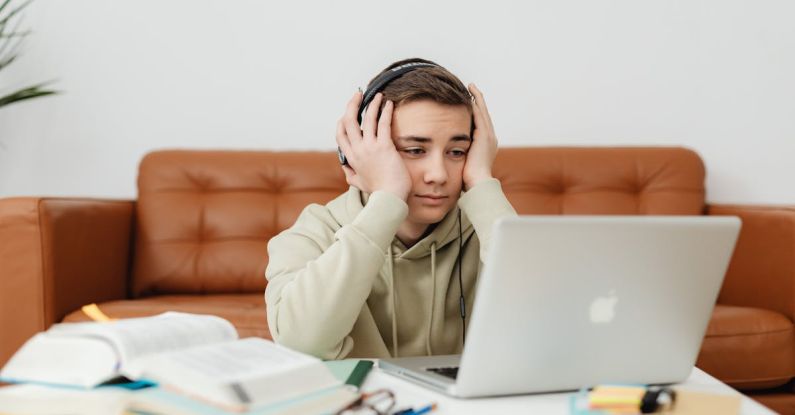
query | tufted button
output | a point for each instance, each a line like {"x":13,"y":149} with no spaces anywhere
{"x":557,"y":188}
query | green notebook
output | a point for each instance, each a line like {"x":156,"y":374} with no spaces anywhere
{"x":350,"y":371}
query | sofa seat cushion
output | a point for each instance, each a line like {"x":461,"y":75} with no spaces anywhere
{"x":245,"y":311}
{"x":748,"y":348}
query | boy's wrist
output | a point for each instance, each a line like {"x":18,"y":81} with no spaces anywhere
{"x":474,"y":181}
{"x":380,"y":217}
{"x":401,"y":193}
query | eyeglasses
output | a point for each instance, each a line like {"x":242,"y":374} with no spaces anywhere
{"x":378,"y":402}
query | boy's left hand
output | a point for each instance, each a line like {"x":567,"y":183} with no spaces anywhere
{"x":483,"y":150}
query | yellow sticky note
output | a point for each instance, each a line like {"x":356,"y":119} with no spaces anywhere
{"x":606,"y":396}
{"x":94,"y":313}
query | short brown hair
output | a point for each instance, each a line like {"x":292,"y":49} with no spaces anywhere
{"x":427,"y":83}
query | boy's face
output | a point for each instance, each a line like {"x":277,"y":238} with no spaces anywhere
{"x":433,"y":140}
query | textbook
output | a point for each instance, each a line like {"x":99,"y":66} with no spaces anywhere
{"x":199,"y":356}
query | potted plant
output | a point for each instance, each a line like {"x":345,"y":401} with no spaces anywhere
{"x":10,"y":40}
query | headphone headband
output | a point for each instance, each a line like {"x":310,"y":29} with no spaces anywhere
{"x":384,"y":79}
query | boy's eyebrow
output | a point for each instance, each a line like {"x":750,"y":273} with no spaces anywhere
{"x":418,"y":139}
{"x":414,"y":138}
{"x":461,"y":137}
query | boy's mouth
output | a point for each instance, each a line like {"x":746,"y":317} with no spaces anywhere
{"x":432,"y":199}
{"x":432,"y":196}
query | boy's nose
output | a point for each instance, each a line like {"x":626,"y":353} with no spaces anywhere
{"x":435,"y":171}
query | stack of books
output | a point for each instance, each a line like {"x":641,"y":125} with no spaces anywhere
{"x":178,"y":363}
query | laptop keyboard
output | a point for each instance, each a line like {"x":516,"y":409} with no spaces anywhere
{"x":450,"y":372}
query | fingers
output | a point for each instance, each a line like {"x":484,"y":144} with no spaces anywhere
{"x":349,"y":119}
{"x":342,"y":140}
{"x":371,"y":116}
{"x":478,"y":94}
{"x":360,"y":144}
{"x":480,"y":123}
{"x":385,"y":122}
{"x":351,"y":177}
{"x":481,"y":102}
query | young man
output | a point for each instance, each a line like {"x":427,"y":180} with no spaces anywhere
{"x":379,"y":270}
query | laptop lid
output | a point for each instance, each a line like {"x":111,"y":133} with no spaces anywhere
{"x":565,"y":302}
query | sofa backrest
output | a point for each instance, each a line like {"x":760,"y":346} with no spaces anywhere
{"x":602,"y":180}
{"x":204,"y":217}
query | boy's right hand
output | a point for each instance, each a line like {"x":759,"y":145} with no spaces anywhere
{"x":373,"y":161}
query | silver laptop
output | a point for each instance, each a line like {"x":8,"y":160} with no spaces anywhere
{"x":565,"y":302}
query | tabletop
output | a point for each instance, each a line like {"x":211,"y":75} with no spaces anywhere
{"x":409,"y":394}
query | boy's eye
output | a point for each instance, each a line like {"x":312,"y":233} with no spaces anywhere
{"x":458,"y":152}
{"x":413,"y":151}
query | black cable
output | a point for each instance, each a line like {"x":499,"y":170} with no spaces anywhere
{"x":461,"y":301}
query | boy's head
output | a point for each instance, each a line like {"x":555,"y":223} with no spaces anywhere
{"x":432,"y":131}
{"x":432,"y":83}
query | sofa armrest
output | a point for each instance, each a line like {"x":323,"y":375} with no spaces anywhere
{"x":762,"y":270}
{"x":57,"y":254}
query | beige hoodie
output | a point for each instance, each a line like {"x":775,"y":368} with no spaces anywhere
{"x":340,"y":284}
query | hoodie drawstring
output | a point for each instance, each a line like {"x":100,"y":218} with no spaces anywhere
{"x":395,"y":343}
{"x":394,"y":302}
{"x":433,"y":297}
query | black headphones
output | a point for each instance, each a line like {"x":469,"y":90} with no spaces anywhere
{"x":377,"y":85}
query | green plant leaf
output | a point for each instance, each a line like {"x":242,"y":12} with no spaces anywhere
{"x":13,"y":12}
{"x":14,"y":34}
{"x":4,"y":45}
{"x":6,"y":62}
{"x":3,"y":6}
{"x":26,"y":93}
{"x":10,"y":41}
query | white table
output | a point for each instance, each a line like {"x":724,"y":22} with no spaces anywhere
{"x":410,"y":394}
{"x":34,"y":399}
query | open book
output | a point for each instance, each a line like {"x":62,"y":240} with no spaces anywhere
{"x":197,"y":355}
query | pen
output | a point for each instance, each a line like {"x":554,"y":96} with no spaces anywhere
{"x":423,"y":410}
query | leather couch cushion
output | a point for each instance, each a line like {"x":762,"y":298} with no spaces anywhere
{"x":204,"y":218}
{"x":602,"y":181}
{"x":245,"y":311}
{"x":748,"y":348}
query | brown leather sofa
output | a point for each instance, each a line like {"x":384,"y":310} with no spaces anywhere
{"x":195,"y":240}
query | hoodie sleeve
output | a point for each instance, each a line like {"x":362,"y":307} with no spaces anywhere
{"x":484,"y":204}
{"x":319,"y":280}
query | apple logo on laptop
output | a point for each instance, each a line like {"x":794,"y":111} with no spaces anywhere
{"x":603,"y":309}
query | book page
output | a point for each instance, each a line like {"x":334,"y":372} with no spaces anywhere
{"x":137,"y":337}
{"x":237,"y":374}
{"x":230,"y":361}
{"x":41,"y":400}
{"x":75,"y":361}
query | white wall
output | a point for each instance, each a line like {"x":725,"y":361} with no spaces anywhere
{"x":716,"y":76}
